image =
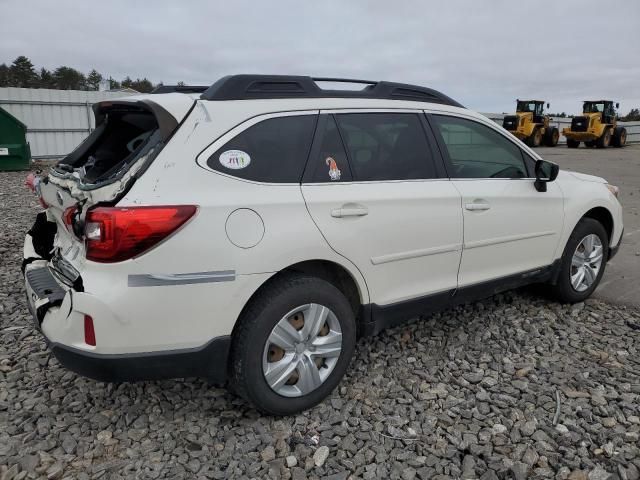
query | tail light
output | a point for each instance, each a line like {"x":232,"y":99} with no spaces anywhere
{"x":33,"y":183}
{"x":89,"y":331}
{"x":114,"y":234}
{"x":67,"y":217}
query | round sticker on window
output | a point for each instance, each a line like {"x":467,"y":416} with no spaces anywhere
{"x":235,"y":159}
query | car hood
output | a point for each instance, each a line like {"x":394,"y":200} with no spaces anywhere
{"x":586,"y":178}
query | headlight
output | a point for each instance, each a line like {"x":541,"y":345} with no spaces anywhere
{"x":614,"y":190}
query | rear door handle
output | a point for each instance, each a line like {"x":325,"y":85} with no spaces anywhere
{"x":477,"y":206}
{"x":349,"y":211}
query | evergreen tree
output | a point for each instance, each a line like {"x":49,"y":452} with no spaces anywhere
{"x":22,"y":74}
{"x":46,"y":79}
{"x":4,"y":75}
{"x":632,"y":116}
{"x":93,"y":80}
{"x":126,"y":83}
{"x":114,"y":84}
{"x":67,"y":78}
{"x":142,"y":85}
{"x":139,"y":85}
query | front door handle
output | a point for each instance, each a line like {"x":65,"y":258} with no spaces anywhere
{"x":477,"y":206}
{"x":349,"y":210}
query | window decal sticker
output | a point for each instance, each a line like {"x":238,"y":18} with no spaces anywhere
{"x":235,"y":159}
{"x":334,"y":171}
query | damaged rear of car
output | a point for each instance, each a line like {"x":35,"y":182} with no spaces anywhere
{"x":82,"y":226}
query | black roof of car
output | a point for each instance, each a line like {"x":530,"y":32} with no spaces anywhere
{"x":253,"y":87}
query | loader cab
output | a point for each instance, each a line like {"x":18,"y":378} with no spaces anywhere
{"x":604,"y":107}
{"x":532,"y":106}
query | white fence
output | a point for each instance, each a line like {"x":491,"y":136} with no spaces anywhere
{"x":57,"y":120}
{"x":633,"y":128}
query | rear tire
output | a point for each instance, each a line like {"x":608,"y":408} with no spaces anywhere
{"x":254,"y":353}
{"x":564,"y":290}
{"x":552,"y":136}
{"x":605,"y":139}
{"x":572,"y":143}
{"x":619,"y":140}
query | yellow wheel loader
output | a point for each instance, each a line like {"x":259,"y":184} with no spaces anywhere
{"x":596,"y":127}
{"x":531,"y":125}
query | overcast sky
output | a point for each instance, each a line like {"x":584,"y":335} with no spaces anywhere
{"x":484,"y":54}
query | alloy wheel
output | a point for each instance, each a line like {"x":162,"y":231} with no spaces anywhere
{"x":586,"y":262}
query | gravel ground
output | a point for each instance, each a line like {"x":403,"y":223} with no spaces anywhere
{"x":470,"y":393}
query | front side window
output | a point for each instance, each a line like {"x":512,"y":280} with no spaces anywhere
{"x":274,"y":150}
{"x":477,"y":151}
{"x":386,"y":146}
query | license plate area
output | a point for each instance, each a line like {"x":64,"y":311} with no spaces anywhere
{"x":43,"y":291}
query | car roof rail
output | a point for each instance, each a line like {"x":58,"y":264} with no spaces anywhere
{"x":253,"y":87}
{"x":180,"y":89}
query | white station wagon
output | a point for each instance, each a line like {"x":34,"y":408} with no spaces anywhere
{"x":250,"y":231}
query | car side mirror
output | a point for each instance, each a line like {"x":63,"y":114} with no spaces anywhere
{"x":545,"y":172}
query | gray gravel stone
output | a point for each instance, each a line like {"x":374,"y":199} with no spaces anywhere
{"x":599,"y":473}
{"x":321,"y":455}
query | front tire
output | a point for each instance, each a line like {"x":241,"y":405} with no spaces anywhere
{"x":605,"y":139}
{"x":292,"y":345}
{"x":583,"y":262}
{"x":535,"y":139}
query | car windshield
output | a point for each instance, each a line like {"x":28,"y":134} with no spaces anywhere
{"x":591,"y":107}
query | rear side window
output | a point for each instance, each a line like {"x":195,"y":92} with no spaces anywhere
{"x":386,"y":146}
{"x":477,"y":151}
{"x":274,"y":150}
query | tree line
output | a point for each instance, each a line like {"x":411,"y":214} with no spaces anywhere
{"x":22,"y":73}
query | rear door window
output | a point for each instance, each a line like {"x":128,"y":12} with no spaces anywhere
{"x":386,"y":146}
{"x":328,"y":161}
{"x":274,"y":150}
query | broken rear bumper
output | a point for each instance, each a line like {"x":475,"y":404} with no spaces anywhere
{"x":208,"y":361}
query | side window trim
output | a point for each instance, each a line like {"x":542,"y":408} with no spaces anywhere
{"x":203,"y":156}
{"x":344,"y":145}
{"x":437,"y":151}
{"x":445,"y":152}
{"x":316,"y":145}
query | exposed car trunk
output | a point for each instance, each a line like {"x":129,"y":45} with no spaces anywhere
{"x":129,"y":134}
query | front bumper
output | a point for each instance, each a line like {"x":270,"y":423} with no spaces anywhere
{"x":519,"y":134}
{"x":587,"y":136}
{"x":614,"y":250}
